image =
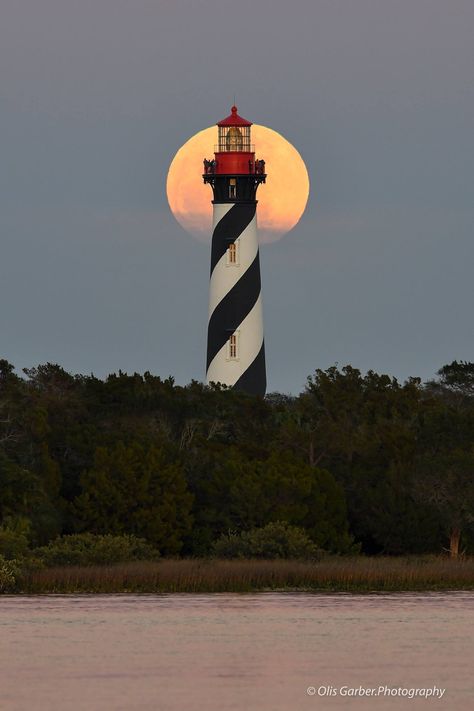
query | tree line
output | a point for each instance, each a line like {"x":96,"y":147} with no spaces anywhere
{"x":360,"y":462}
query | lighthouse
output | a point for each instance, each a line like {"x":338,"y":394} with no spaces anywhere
{"x":235,"y":344}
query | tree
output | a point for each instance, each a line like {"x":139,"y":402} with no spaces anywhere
{"x":458,"y":377}
{"x":361,"y":428}
{"x":233,"y":492}
{"x":444,"y":462}
{"x":135,"y":490}
{"x":23,"y":499}
{"x":446,"y":482}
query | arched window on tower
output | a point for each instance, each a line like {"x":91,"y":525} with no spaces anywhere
{"x":234,"y":347}
{"x":232,"y":253}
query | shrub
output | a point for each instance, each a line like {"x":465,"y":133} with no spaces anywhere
{"x":8,"y":574}
{"x":13,"y":544}
{"x":90,"y":549}
{"x":275,"y":540}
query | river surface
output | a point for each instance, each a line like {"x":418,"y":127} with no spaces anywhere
{"x":235,"y":652}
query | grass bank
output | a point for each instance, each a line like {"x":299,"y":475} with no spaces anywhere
{"x":355,"y":574}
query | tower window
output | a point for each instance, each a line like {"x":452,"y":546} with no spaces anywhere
{"x":233,"y":347}
{"x":232,"y":253}
{"x":232,"y":188}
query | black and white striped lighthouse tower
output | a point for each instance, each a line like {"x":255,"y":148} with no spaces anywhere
{"x":235,"y":345}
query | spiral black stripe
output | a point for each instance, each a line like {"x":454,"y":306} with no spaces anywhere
{"x":231,"y":311}
{"x":229,"y":228}
{"x":254,"y":379}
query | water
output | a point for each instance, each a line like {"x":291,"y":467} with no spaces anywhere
{"x":232,"y":652}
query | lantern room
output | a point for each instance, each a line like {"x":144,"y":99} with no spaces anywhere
{"x":234,"y":134}
{"x":234,"y":154}
{"x":234,"y":173}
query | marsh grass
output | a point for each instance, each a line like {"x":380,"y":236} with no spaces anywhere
{"x":354,"y":574}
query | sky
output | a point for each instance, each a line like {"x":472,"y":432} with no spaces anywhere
{"x":96,"y":97}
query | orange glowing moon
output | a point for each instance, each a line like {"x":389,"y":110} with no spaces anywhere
{"x":281,"y":200}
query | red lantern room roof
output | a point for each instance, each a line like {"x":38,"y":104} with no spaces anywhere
{"x":234,"y":119}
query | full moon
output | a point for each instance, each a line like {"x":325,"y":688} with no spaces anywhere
{"x":281,"y":200}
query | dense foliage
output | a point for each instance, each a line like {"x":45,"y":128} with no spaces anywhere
{"x":355,"y":461}
{"x":271,"y":542}
{"x":90,"y":549}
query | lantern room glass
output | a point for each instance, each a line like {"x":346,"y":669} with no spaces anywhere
{"x":234,"y":138}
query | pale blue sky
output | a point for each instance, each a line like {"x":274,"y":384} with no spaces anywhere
{"x":97,"y":95}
